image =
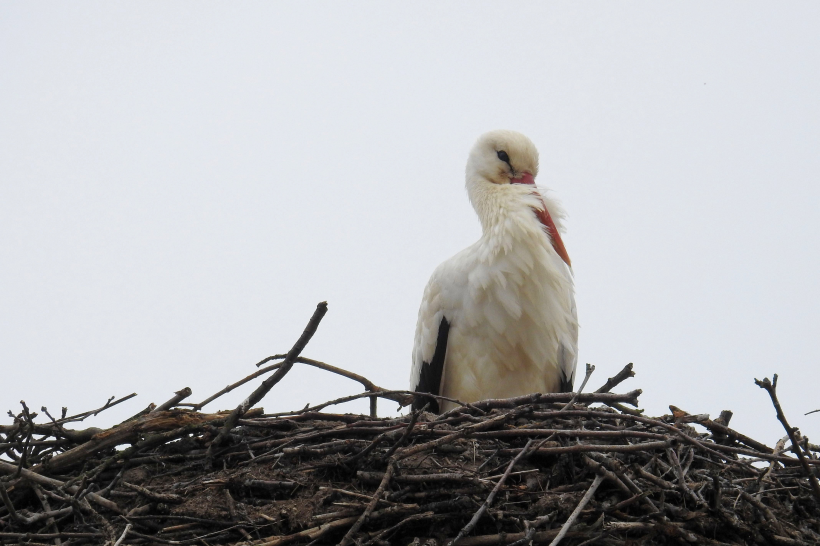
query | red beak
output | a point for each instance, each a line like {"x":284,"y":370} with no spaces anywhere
{"x":546,"y":220}
{"x":525,"y":178}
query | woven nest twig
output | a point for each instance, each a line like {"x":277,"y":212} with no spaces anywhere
{"x":573,"y":468}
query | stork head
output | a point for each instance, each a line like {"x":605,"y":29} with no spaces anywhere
{"x":503,"y":157}
{"x":501,"y":175}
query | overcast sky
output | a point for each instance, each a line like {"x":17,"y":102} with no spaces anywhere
{"x":181,"y":183}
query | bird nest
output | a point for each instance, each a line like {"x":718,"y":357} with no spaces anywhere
{"x":569,"y":468}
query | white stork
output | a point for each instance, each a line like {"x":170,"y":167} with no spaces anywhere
{"x":498,"y":319}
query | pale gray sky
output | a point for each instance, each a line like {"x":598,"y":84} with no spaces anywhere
{"x":181,"y":183}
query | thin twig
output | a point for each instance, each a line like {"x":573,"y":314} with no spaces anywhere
{"x":268,"y":383}
{"x":365,"y":382}
{"x":620,"y":377}
{"x":489,"y":500}
{"x":348,"y":538}
{"x":407,"y":431}
{"x":109,"y":404}
{"x":123,"y":535}
{"x":590,"y":369}
{"x":771,"y":388}
{"x":575,"y":513}
{"x":232,"y":386}
{"x":178,"y":397}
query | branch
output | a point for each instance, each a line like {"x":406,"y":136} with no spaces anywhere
{"x":486,"y":504}
{"x":575,"y":513}
{"x":620,"y":377}
{"x":771,"y":388}
{"x":590,"y":369}
{"x":348,"y":538}
{"x":109,"y":404}
{"x":232,"y":386}
{"x":268,"y":383}
{"x":365,"y":382}
{"x":179,"y":396}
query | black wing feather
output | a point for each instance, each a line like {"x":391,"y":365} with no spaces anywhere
{"x":566,"y":382}
{"x":430,"y":376}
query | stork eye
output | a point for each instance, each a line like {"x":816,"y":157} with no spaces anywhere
{"x":502,"y":155}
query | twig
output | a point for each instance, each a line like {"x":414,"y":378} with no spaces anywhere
{"x":719,"y":428}
{"x":153,"y":496}
{"x":348,"y":538}
{"x":268,"y":384}
{"x":619,"y":378}
{"x":404,"y":521}
{"x":489,"y":500}
{"x":179,"y":396}
{"x":590,"y":369}
{"x":407,"y":431}
{"x":673,"y":459}
{"x":630,"y":397}
{"x":44,"y":480}
{"x":108,"y":404}
{"x":533,"y":527}
{"x":766,"y":477}
{"x":575,"y":513}
{"x":51,"y":522}
{"x":771,"y":388}
{"x":763,"y":510}
{"x":123,"y":535}
{"x":365,"y":382}
{"x":7,"y":501}
{"x":232,"y":386}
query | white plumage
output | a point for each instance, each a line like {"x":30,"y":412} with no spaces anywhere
{"x":498,"y":319}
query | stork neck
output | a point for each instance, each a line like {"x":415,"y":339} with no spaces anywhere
{"x":505,"y":212}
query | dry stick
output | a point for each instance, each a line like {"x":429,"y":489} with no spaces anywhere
{"x":763,"y":510}
{"x":403,"y":521}
{"x":348,"y":538}
{"x":43,"y":480}
{"x":47,"y":515}
{"x":602,"y":471}
{"x":374,"y":411}
{"x":619,"y":471}
{"x":533,"y":527}
{"x":317,"y":407}
{"x":719,"y":427}
{"x":407,"y":431}
{"x":575,"y":513}
{"x":179,"y":396}
{"x":123,"y":535}
{"x":778,"y":449}
{"x":268,"y":383}
{"x":154,"y":496}
{"x":677,"y":432}
{"x":605,"y":398}
{"x":771,"y":388}
{"x":590,"y":369}
{"x":630,"y":397}
{"x":47,"y":507}
{"x":7,"y":501}
{"x":684,"y":488}
{"x":232,"y":386}
{"x":365,"y":382}
{"x":620,"y":377}
{"x":25,"y":450}
{"x":109,"y":404}
{"x":46,"y":536}
{"x":486,"y":504}
{"x":812,"y":411}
